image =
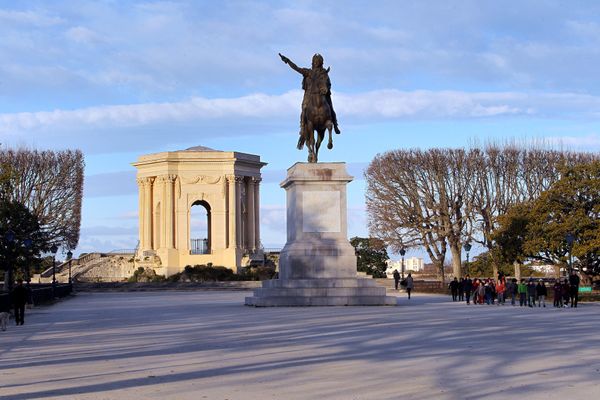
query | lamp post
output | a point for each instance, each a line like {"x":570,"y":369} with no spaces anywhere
{"x":69,"y":257}
{"x":402,"y":253}
{"x":28,"y":243}
{"x":468,"y":249}
{"x":53,"y":250}
{"x":569,"y":238}
{"x":9,"y":239}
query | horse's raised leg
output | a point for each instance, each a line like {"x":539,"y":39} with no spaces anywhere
{"x":330,"y":143}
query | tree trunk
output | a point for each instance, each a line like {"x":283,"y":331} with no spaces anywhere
{"x":517,"y":270}
{"x":495,"y":270}
{"x":456,"y":262}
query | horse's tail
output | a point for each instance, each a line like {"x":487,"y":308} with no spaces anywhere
{"x":301,"y":141}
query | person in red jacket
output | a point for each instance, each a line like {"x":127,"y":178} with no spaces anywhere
{"x":500,"y":289}
{"x":476,"y":283}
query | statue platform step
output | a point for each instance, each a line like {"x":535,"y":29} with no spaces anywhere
{"x":297,"y":301}
{"x":320,"y":292}
{"x":320,"y":283}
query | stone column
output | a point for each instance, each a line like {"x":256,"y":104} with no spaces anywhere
{"x":169,"y":210}
{"x":257,"y":211}
{"x":148,"y":186}
{"x":239,"y":181}
{"x":231,"y":215}
{"x":250,"y":214}
{"x":141,"y":213}
{"x":160,"y":186}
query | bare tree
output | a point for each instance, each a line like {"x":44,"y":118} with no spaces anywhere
{"x":50,"y":184}
{"x":496,"y":178}
{"x":419,"y":198}
{"x":440,"y":197}
{"x":511,"y":174}
{"x":456,"y":189}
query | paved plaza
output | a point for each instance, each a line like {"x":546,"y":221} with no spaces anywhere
{"x":207,"y":345}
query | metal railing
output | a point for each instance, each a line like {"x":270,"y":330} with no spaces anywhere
{"x":39,"y":294}
{"x":122,"y":251}
{"x":199,"y":246}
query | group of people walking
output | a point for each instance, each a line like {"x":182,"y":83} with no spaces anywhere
{"x":407,"y":283}
{"x":526,"y":292}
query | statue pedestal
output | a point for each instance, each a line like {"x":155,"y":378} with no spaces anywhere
{"x":317,"y":266}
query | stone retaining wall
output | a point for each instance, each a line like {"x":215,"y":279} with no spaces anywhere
{"x":150,"y":286}
{"x":420,"y":285}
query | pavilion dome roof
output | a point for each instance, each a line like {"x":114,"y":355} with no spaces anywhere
{"x":200,"y":148}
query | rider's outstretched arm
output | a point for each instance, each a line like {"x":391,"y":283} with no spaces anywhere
{"x":291,"y":64}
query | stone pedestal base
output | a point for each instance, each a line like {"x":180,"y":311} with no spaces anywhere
{"x":320,"y":292}
{"x":317,"y":266}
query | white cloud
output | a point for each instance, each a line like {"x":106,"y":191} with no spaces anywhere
{"x":170,"y":50}
{"x":272,"y":216}
{"x":80,"y":34}
{"x":256,"y":105}
{"x":388,"y":104}
{"x":29,"y":18}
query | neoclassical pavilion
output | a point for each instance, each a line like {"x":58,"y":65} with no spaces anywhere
{"x":225,"y":184}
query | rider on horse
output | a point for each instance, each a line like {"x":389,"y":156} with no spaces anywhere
{"x":312,"y":76}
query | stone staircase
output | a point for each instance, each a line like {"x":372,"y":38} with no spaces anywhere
{"x":92,"y":267}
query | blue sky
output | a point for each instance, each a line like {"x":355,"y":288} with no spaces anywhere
{"x":120,"y":79}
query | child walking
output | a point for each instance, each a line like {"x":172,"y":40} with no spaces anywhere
{"x":558,"y":300}
{"x":541,"y":292}
{"x":522,"y":289}
{"x":531,"y":293}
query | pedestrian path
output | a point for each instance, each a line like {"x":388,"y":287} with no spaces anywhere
{"x":207,"y":345}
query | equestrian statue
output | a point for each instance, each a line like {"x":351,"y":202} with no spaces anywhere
{"x":317,"y":110}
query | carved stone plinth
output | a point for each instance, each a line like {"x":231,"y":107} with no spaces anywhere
{"x":317,"y":266}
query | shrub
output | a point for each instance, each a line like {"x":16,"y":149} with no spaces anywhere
{"x":207,"y":273}
{"x":146,"y":275}
{"x":259,"y":273}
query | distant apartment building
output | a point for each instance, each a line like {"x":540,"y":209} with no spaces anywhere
{"x":414,"y":264}
{"x":410,"y":264}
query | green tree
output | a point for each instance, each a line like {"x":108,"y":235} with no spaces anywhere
{"x":371,"y":256}
{"x":29,"y":239}
{"x":511,"y":233}
{"x":484,"y":264}
{"x":537,"y":230}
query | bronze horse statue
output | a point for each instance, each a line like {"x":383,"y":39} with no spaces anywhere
{"x":317,"y":109}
